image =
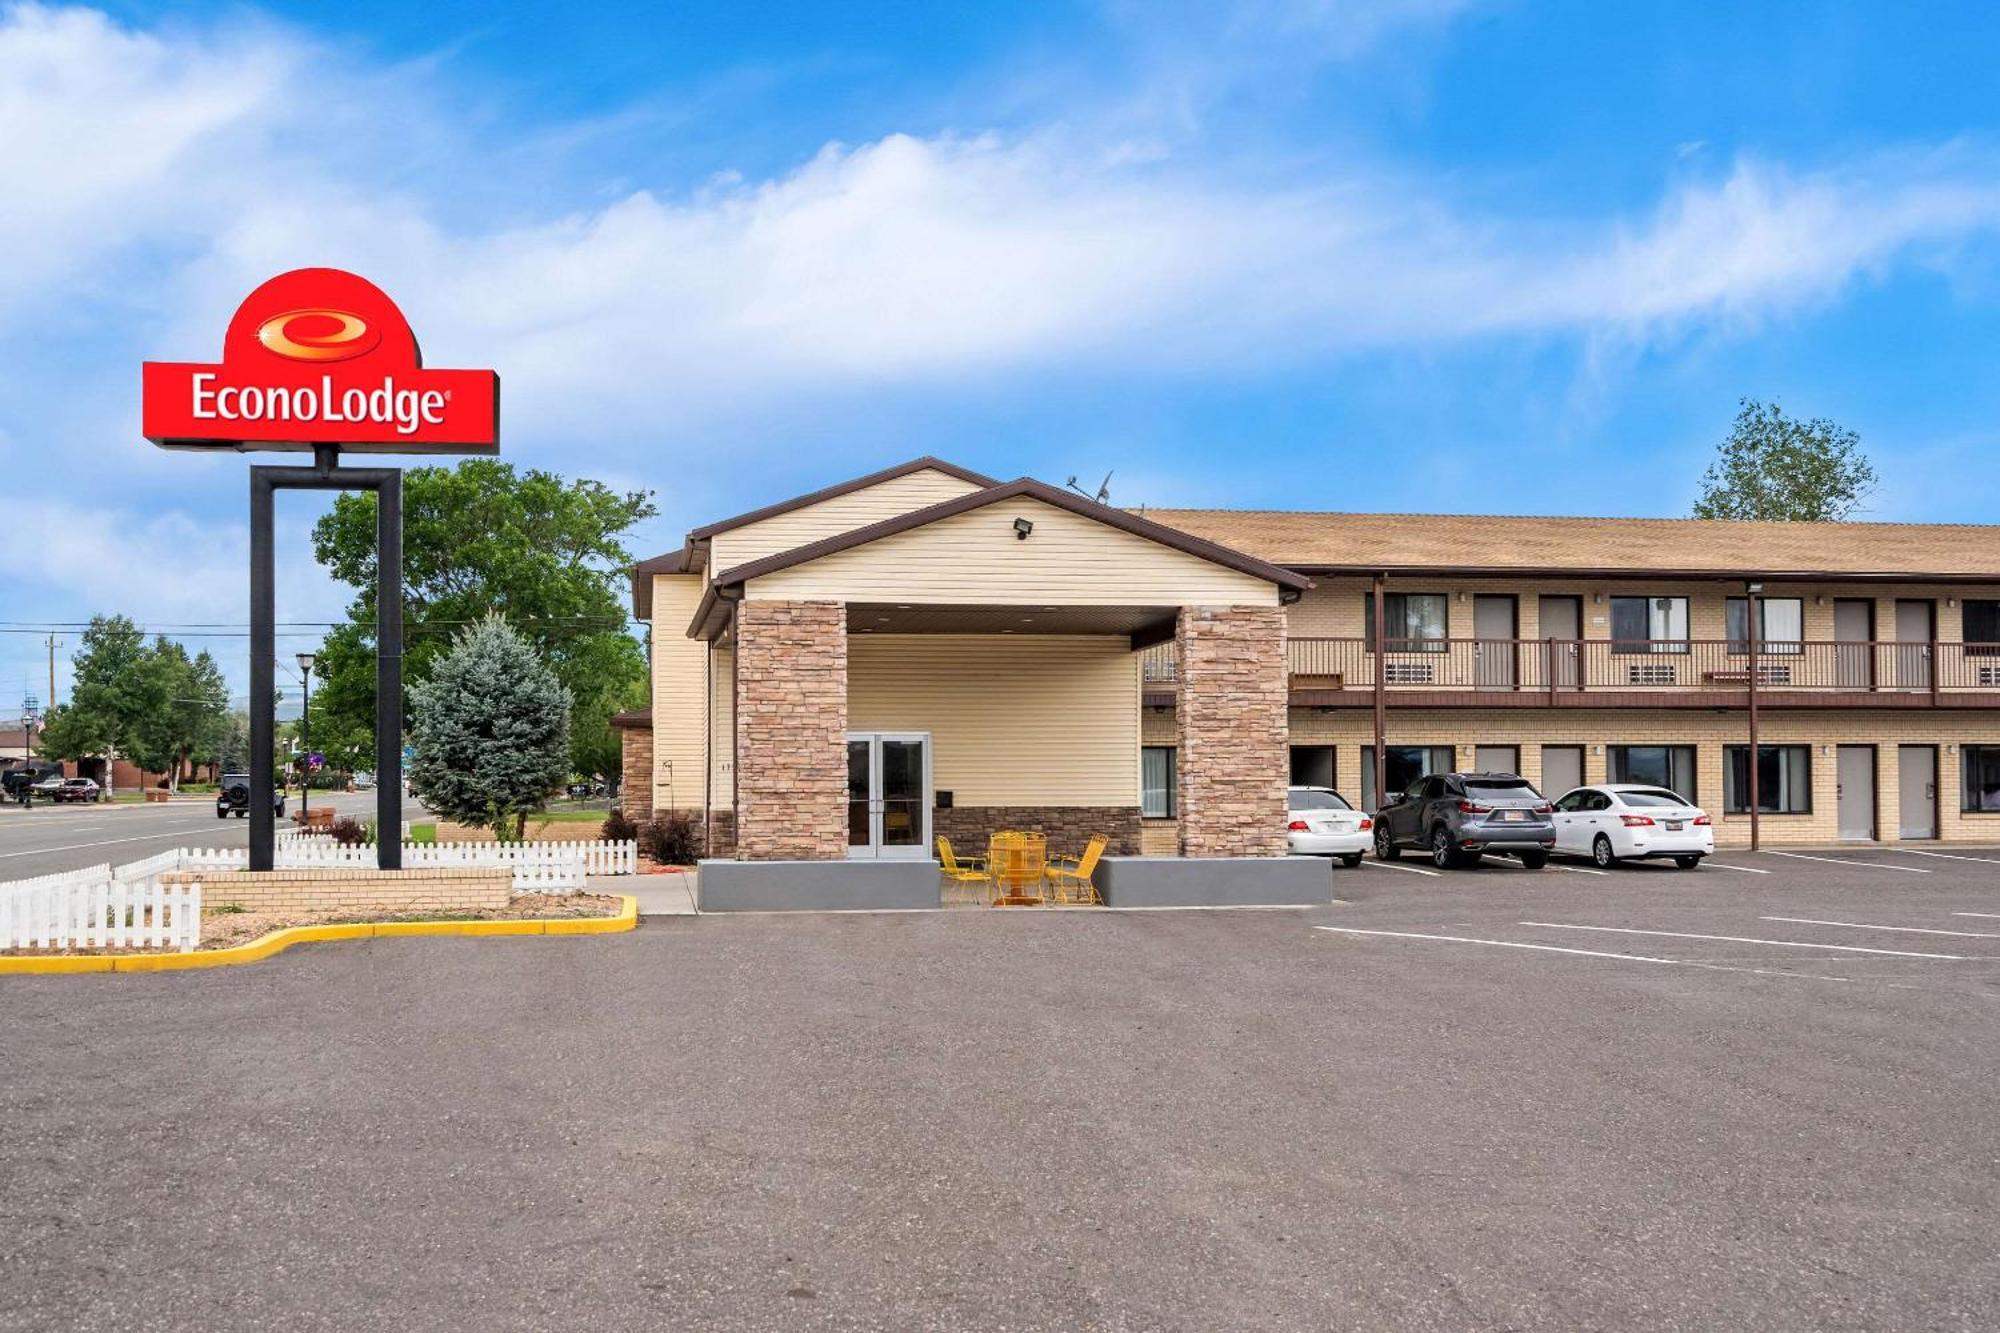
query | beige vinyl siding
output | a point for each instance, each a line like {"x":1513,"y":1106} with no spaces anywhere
{"x":974,"y":559}
{"x":1014,"y":720}
{"x":857,"y":509}
{"x":680,"y":737}
{"x":722,"y":721}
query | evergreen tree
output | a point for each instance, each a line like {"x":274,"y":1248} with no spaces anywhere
{"x":490,"y":730}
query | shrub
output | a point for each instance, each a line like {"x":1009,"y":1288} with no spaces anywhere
{"x":671,"y":841}
{"x":617,"y":828}
{"x":348,"y":832}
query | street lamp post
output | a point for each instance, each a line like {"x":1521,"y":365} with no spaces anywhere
{"x":305,"y":738}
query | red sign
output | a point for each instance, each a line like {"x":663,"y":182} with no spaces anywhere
{"x":321,"y":356}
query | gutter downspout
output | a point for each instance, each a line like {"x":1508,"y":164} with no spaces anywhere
{"x":1754,"y":613}
{"x":1381,"y":698}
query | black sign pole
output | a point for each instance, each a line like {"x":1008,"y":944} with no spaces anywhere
{"x":263,"y":660}
{"x":389,"y":671}
{"x":387,"y":483}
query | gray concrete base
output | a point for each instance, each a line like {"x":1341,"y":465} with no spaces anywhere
{"x":816,"y":886}
{"x":1214,"y":881}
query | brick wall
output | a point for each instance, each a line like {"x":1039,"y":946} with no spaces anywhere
{"x":791,"y":731}
{"x":1231,"y":721}
{"x":635,"y":782}
{"x":1067,"y":828}
{"x":363,"y":892}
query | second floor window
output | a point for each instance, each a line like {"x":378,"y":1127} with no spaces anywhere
{"x":1781,"y":628}
{"x":1415,"y":621}
{"x":1649,"y":624}
{"x":1982,"y":627}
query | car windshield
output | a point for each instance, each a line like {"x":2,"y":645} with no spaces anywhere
{"x":1305,"y":798}
{"x":1499,"y":787}
{"x":1651,"y":798}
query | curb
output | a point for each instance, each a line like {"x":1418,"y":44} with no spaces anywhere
{"x":257,"y":950}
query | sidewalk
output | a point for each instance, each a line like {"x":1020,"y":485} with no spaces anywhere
{"x":658,"y":895}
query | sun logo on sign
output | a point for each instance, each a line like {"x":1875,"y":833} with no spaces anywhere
{"x":318,"y":335}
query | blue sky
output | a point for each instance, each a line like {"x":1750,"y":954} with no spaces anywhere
{"x":1391,"y":254}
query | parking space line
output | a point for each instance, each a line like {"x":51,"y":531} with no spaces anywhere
{"x":1900,"y":930}
{"x":1842,"y":861}
{"x":1989,"y":916}
{"x":1580,"y":953}
{"x":1946,"y":856}
{"x":1391,"y":865}
{"x":1724,"y":865}
{"x":1744,"y":939}
{"x":1577,"y":870}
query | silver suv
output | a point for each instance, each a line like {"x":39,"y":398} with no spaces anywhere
{"x":1458,"y":817}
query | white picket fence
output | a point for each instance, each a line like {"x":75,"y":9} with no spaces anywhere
{"x":539,"y":867}
{"x":93,"y":909}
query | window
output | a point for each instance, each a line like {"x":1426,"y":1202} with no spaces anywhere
{"x":1783,"y":624}
{"x":1575,"y":801}
{"x":1312,"y":765}
{"x":1404,"y":765}
{"x":1982,"y":628}
{"x":1303,"y":798}
{"x":1670,"y":766}
{"x":1649,"y":624}
{"x":1980,"y":765}
{"x":1156,"y":781}
{"x":1784,"y":779}
{"x":1415,"y":621}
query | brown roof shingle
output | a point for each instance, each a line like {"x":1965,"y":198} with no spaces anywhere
{"x":1329,"y":542}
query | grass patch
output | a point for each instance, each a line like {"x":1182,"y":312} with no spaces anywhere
{"x":423,"y":833}
{"x":567,"y":817}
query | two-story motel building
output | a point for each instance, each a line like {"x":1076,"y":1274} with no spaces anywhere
{"x":927,"y":651}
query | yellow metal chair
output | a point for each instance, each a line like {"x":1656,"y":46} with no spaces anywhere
{"x":1070,"y":876}
{"x":972,"y":870}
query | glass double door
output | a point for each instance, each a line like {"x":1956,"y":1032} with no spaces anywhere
{"x":888,"y":794}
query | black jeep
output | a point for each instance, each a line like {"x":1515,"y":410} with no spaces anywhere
{"x":234,"y":797}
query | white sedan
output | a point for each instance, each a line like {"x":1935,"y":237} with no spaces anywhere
{"x":1630,"y":821}
{"x":1323,"y":824}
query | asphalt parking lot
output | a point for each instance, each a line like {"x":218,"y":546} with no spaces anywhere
{"x":1485,"y":1099}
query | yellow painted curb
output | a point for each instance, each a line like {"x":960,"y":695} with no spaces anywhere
{"x":277,"y":941}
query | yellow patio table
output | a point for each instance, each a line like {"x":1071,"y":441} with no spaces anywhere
{"x":1017,"y":862}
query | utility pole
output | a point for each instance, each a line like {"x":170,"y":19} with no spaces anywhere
{"x":54,"y":643}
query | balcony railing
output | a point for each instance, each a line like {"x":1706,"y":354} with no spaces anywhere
{"x":1586,"y":666}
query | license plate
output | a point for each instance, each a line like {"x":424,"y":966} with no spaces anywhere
{"x":1675,"y":826}
{"x":1513,"y":816}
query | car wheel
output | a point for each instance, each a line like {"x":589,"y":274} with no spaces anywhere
{"x":1443,"y":855}
{"x":1351,"y":862}
{"x":1687,"y":862}
{"x":1601,"y":853}
{"x":222,"y":814}
{"x":1385,"y":846}
{"x":1534,"y":860}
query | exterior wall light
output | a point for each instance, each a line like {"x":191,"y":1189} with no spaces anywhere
{"x":1022,"y":527}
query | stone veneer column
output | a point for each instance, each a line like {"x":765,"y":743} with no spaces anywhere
{"x":791,"y":731}
{"x":635,"y":781}
{"x":1233,"y":730}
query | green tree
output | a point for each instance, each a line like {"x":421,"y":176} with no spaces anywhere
{"x":491,"y":730}
{"x":115,"y":691}
{"x":482,"y":538}
{"x":1774,"y":467}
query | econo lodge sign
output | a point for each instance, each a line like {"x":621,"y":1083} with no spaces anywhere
{"x":320,"y":356}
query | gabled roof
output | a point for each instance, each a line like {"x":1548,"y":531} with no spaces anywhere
{"x":1122,"y":519}
{"x":924,"y":464}
{"x":1642,"y":547}
{"x":693,"y":555}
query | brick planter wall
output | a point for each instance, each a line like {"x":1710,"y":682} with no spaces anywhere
{"x":362,"y":892}
{"x":791,"y":731}
{"x":1231,"y":716}
{"x":1067,"y":828}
